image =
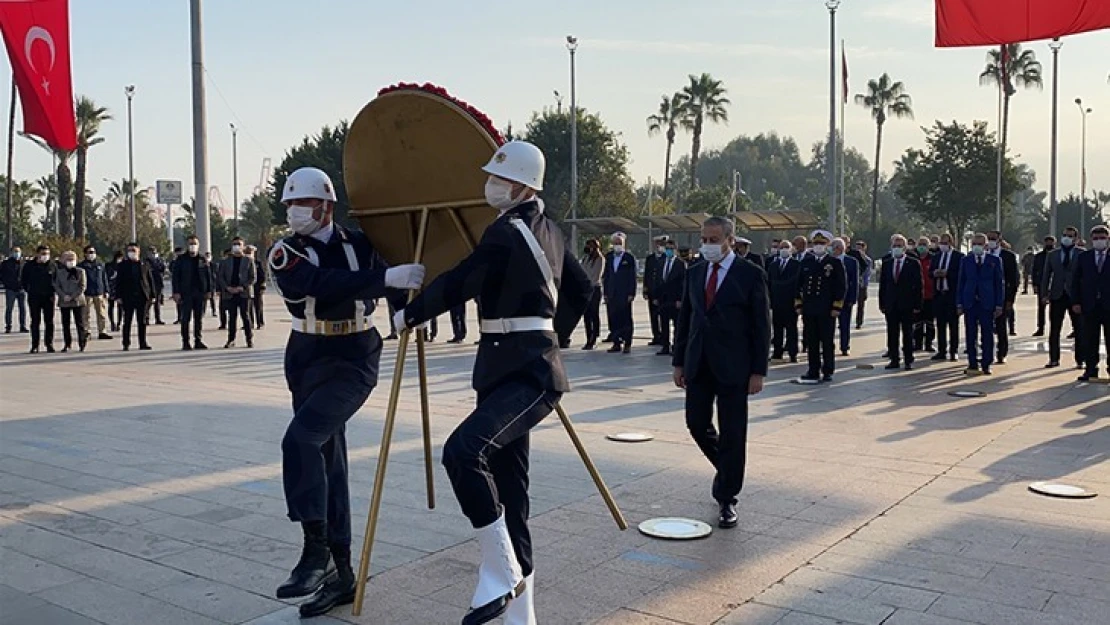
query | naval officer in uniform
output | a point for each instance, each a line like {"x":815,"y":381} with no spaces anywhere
{"x":328,"y":277}
{"x":520,"y":270}
{"x":822,"y":284}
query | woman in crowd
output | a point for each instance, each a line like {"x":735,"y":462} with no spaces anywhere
{"x":69,"y":284}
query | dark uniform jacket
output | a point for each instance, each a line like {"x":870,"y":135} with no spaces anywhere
{"x":906,"y":296}
{"x":620,"y":284}
{"x":38,"y":279}
{"x":134,"y":284}
{"x":1038,"y":269}
{"x":9,"y":274}
{"x":822,"y":285}
{"x":1010,"y":274}
{"x":669,"y":292}
{"x":730,"y":340}
{"x":1091,"y":287}
{"x":653,"y":271}
{"x":783,"y":281}
{"x":191,"y":276}
{"x":503,"y":273}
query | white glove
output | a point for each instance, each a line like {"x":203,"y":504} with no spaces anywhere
{"x":399,"y":321}
{"x":405,"y":277}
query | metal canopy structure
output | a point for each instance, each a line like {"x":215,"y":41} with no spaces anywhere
{"x":605,"y":225}
{"x":684,"y":222}
{"x":762,"y":221}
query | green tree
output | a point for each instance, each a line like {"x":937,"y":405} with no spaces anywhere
{"x":220,"y":229}
{"x":89,"y":118}
{"x":885,"y":98}
{"x":712,"y":199}
{"x":64,"y":178}
{"x":25,"y":195}
{"x":703,"y":99}
{"x":666,"y":121}
{"x":1068,"y":211}
{"x":110,"y":221}
{"x":1019,"y":68}
{"x":325,"y":152}
{"x":767,"y":162}
{"x":604,"y":185}
{"x":49,"y":187}
{"x":256,"y":221}
{"x":952,"y":181}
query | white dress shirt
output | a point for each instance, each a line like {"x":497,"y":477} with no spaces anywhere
{"x":722,"y":271}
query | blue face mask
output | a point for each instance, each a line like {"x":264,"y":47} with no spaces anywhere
{"x":669,"y":252}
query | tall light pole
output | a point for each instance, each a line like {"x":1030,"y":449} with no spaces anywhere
{"x":129,"y":91}
{"x":558,"y":103}
{"x":235,"y":174}
{"x":1055,"y":47}
{"x":572,"y":46}
{"x":830,"y":149}
{"x":200,"y":131}
{"x":1083,"y":169}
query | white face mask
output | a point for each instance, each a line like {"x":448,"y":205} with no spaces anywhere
{"x":91,"y":256}
{"x":17,"y":255}
{"x":44,"y":257}
{"x":786,"y":252}
{"x":236,"y":249}
{"x":977,"y":250}
{"x":944,"y":248}
{"x":1099,"y":244}
{"x":499,"y":194}
{"x":660,"y":250}
{"x":300,"y":220}
{"x":133,"y":255}
{"x":70,"y":264}
{"x":1066,"y":241}
{"x":193,"y":247}
{"x":992,"y":243}
{"x":897,"y":252}
{"x":712,"y":253}
{"x":617,"y":249}
{"x":819,"y":249}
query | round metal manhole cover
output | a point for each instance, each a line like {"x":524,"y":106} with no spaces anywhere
{"x":1063,"y":491}
{"x":672,"y":528}
{"x":967,"y":394}
{"x":630,"y":437}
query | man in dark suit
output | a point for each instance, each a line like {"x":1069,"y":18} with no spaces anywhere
{"x":1012,"y":277}
{"x":901,"y":293}
{"x":1056,"y":288}
{"x":135,"y":289}
{"x":782,"y":274}
{"x":851,"y":293}
{"x":237,"y":276}
{"x":981,"y":299}
{"x":619,"y":285}
{"x":671,"y":277}
{"x":652,"y":264}
{"x":822,"y":285}
{"x":945,"y":269}
{"x":720,"y":355}
{"x":743,"y":249}
{"x":1091,"y":291}
{"x":1038,"y":273}
{"x":190,"y":285}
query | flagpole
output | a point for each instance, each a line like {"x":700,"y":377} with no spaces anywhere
{"x":200,"y":132}
{"x":830,"y":152}
{"x":843,"y":138}
{"x":11,"y":146}
{"x":998,"y":178}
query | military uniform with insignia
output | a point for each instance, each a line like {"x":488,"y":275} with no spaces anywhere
{"x":329,"y":278}
{"x":523,"y":274}
{"x":822,"y":286}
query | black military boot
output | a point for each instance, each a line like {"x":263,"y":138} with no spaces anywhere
{"x":314,"y":567}
{"x":338,"y":591}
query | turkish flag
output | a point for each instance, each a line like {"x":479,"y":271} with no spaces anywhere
{"x":995,"y":22}
{"x":36,"y":33}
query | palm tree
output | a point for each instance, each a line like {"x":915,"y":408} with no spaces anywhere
{"x":1021,"y":69}
{"x":49,"y":189}
{"x":65,"y":183}
{"x":89,"y":118}
{"x":886,"y":99}
{"x":667,"y":120}
{"x":704,"y":98}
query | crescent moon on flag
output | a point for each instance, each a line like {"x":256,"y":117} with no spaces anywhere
{"x":34,"y":33}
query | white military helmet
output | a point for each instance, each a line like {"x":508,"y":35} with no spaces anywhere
{"x":308,"y":182}
{"x":518,"y":161}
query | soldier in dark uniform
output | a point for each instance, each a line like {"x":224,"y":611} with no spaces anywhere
{"x":522,"y":272}
{"x":652,"y":263}
{"x":328,"y":277}
{"x":822,"y":285}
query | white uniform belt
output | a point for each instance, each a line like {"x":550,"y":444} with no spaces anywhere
{"x":517,"y":324}
{"x":327,"y":327}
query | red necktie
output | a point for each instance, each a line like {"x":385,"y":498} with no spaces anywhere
{"x":711,"y":287}
{"x":897,"y":269}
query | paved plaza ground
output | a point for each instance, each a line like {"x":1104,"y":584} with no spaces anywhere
{"x":144,"y":488}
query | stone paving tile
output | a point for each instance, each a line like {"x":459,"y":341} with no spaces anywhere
{"x":227,"y":568}
{"x":1079,"y":610}
{"x":909,"y":617}
{"x":219,"y":601}
{"x":112,"y":604}
{"x":753,"y":613}
{"x":15,"y":600}
{"x":977,"y":611}
{"x":45,"y":614}
{"x":31,"y":575}
{"x":625,"y":616}
{"x":829,"y":605}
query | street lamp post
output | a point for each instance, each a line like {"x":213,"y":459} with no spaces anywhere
{"x":558,"y":103}
{"x":200,"y":129}
{"x":235,"y":175}
{"x":1083,"y":169}
{"x":572,"y":46}
{"x":129,"y":91}
{"x":830,"y":149}
{"x":1055,"y":47}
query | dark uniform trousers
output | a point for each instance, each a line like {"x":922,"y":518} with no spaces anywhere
{"x":899,"y":336}
{"x":1057,"y":308}
{"x":327,"y":392}
{"x":134,"y":311}
{"x":458,"y":322}
{"x":818,"y":335}
{"x":620,"y":320}
{"x":785,"y":322}
{"x":1095,"y":323}
{"x":725,"y":448}
{"x":191,"y":310}
{"x":42,"y":314}
{"x":486,"y":458}
{"x":1002,"y":334}
{"x":592,"y":319}
{"x":948,"y":322}
{"x":238,"y":306}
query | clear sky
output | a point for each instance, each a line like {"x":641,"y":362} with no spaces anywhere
{"x":281,"y":69}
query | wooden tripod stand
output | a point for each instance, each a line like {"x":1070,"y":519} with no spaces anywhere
{"x":391,"y":415}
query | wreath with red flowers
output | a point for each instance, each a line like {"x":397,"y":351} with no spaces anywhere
{"x":483,"y":120}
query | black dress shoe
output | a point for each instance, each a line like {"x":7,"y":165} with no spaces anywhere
{"x":909,"y":367}
{"x":185,"y":347}
{"x":145,"y":348}
{"x":588,"y":347}
{"x":50,"y":349}
{"x":493,"y":609}
{"x":1088,"y":376}
{"x":34,"y":350}
{"x":728,"y":518}
{"x":1039,"y":333}
{"x":825,"y":379}
{"x":938,"y":357}
{"x":315,"y":566}
{"x":894,"y":365}
{"x":1052,"y":365}
{"x":793,"y":360}
{"x":199,"y":345}
{"x":666,"y":351}
{"x":1001,"y":360}
{"x":615,"y":349}
{"x":333,"y":594}
{"x":104,"y":337}
{"x":627,"y":349}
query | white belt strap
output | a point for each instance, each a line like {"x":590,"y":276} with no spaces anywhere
{"x":360,"y":305}
{"x":516,"y":324}
{"x":541,"y":259}
{"x":309,"y":301}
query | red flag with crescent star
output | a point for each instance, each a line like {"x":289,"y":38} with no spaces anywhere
{"x":36,"y":33}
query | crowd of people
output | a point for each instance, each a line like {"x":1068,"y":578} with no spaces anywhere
{"x":129,"y":291}
{"x":818,"y":289}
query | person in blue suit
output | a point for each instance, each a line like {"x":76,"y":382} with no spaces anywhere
{"x":851,"y":270}
{"x":980,"y":298}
